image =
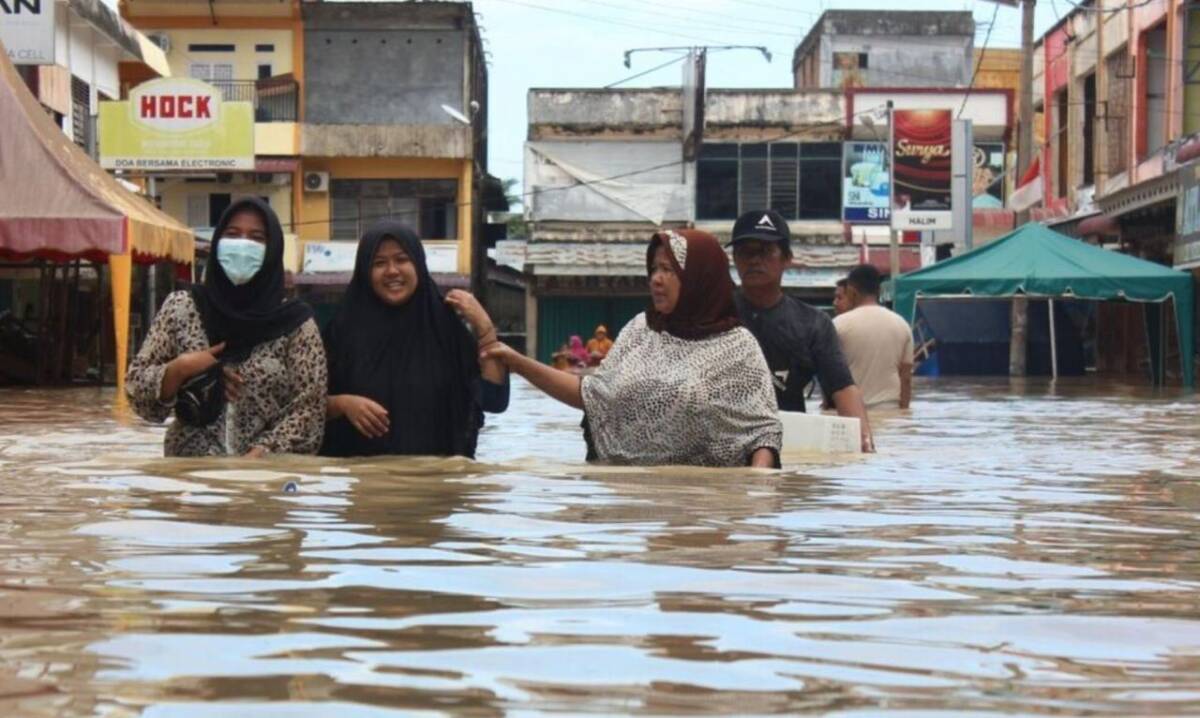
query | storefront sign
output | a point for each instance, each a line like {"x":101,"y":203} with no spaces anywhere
{"x":27,"y":31}
{"x":441,"y":257}
{"x":987,"y":184}
{"x":1187,"y":241}
{"x":921,"y":141}
{"x":329,"y":257}
{"x":865,"y":178}
{"x":177,"y":124}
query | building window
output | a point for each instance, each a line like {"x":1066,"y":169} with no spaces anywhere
{"x":268,"y":47}
{"x":81,"y":115}
{"x":1062,"y":139}
{"x":1154,"y":109}
{"x":264,"y":71}
{"x":218,"y":202}
{"x":1089,"y":130}
{"x":428,"y":206}
{"x":217,"y":74}
{"x":197,"y":210}
{"x":820,"y":180}
{"x":800,"y":180}
{"x":717,"y":182}
{"x":1116,"y":126}
{"x":202,"y":47}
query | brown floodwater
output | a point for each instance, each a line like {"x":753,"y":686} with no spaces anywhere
{"x":1012,"y":548}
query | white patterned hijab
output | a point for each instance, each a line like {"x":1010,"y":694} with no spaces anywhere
{"x":705,"y":304}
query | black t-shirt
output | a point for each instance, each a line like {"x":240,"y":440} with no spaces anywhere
{"x":799,"y":343}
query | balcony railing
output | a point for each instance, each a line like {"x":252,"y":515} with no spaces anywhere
{"x":274,"y":99}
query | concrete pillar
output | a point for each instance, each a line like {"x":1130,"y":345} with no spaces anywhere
{"x":531,"y":322}
{"x":121,"y":267}
{"x":465,"y":215}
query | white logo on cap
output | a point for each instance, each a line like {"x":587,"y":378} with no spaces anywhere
{"x":766,"y":222}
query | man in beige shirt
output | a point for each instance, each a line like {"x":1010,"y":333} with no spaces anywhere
{"x":876,"y":342}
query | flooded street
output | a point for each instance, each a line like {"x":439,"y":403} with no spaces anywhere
{"x":1009,"y":550}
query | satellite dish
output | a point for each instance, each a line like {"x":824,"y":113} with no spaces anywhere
{"x":460,"y":117}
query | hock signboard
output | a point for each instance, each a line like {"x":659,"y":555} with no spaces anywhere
{"x":177,"y":124}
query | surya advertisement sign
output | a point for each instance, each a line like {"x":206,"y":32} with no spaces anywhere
{"x":27,"y":31}
{"x":921,"y":169}
{"x":177,"y":124}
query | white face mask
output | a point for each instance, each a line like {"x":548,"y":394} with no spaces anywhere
{"x":240,"y":258}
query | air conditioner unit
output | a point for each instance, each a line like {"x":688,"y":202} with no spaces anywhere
{"x":162,"y":39}
{"x":316,"y":181}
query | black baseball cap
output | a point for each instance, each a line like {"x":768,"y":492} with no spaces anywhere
{"x":762,"y":224}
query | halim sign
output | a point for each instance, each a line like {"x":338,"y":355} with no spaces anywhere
{"x":177,"y":124}
{"x":27,"y":31}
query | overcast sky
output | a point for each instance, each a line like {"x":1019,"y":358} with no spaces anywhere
{"x":580,"y":43}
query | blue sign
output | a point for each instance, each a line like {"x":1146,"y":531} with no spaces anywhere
{"x":866,"y":178}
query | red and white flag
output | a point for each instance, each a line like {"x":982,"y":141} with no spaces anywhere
{"x":1029,"y":189}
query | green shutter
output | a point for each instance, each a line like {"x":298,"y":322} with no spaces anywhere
{"x":560,"y":317}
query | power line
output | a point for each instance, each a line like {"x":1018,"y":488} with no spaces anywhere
{"x":672,"y":61}
{"x":781,"y":8}
{"x":585,"y":183}
{"x":702,"y":25}
{"x":1098,"y":10}
{"x":979,"y":61}
{"x":694,"y":11}
{"x":610,"y":21}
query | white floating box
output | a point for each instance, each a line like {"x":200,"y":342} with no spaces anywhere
{"x":819,"y":434}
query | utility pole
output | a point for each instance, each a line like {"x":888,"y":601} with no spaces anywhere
{"x":893,"y":235}
{"x":1020,"y":306}
{"x":692,"y":90}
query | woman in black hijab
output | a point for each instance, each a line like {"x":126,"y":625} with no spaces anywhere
{"x":404,"y":372}
{"x":243,"y":370}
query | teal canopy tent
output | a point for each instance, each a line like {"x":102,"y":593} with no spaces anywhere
{"x":1039,"y":263}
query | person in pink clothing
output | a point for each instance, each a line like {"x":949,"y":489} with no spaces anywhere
{"x":579,"y":353}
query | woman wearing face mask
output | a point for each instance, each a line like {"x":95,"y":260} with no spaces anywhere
{"x":242,"y":370}
{"x":404,"y":372}
{"x":683,"y":383}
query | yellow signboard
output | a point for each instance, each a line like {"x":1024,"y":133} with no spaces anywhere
{"x":177,"y":124}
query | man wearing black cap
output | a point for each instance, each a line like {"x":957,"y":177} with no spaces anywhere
{"x":798,"y":341}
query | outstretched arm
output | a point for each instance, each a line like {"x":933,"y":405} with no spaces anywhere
{"x":561,"y":385}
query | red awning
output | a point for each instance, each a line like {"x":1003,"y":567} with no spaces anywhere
{"x":56,"y":200}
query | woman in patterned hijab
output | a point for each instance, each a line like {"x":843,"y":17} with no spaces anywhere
{"x":684,"y":383}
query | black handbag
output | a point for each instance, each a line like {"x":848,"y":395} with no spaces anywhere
{"x":200,"y":400}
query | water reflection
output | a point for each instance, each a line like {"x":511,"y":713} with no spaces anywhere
{"x":1020,"y":549}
